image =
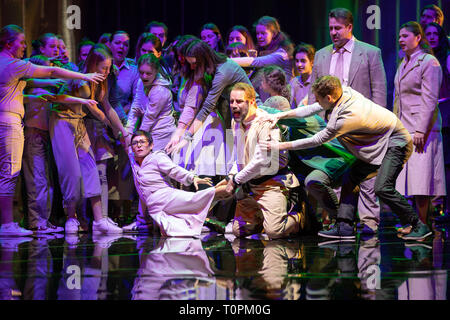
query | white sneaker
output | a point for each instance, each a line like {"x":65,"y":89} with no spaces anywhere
{"x":132,"y":227}
{"x":72,"y":240}
{"x":13,"y":229}
{"x":106,"y":225}
{"x":229,"y":227}
{"x":72,"y":225}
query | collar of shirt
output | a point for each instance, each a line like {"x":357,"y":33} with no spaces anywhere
{"x":306,"y":83}
{"x":414,"y":56}
{"x":349,"y":46}
{"x":125,"y":64}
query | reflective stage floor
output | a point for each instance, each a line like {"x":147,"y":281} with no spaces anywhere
{"x":221,"y":267}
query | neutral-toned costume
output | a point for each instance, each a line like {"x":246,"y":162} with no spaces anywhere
{"x":75,"y":160}
{"x":299,"y":90}
{"x":12,"y":111}
{"x":320,"y":167}
{"x":268,"y":179}
{"x":363,"y":71}
{"x":417,"y":85}
{"x":176,"y":212}
{"x":205,"y":155}
{"x":37,"y":157}
{"x":155,"y":110}
{"x":122,"y":90}
{"x":379,"y":141}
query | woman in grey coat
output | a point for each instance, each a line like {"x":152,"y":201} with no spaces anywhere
{"x":417,"y":84}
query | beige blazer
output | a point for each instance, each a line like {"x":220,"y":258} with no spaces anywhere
{"x":366,"y":74}
{"x":416,"y":94}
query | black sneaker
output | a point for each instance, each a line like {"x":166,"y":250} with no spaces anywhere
{"x":341,"y":230}
{"x":419,"y":232}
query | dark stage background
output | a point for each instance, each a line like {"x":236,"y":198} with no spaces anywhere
{"x":303,"y":20}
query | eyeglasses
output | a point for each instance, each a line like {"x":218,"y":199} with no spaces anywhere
{"x":141,"y":142}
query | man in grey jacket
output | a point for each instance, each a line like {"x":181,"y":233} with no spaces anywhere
{"x":357,"y":65}
{"x":375,"y":136}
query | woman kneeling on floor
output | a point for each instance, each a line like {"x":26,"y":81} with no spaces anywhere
{"x":176,"y":212}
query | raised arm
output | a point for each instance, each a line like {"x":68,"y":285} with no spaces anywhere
{"x":60,"y":73}
{"x":90,"y":104}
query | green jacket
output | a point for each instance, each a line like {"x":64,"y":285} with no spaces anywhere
{"x":331,"y":157}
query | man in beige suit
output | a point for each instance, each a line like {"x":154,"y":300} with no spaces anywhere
{"x":358,"y":65}
{"x":266,"y":179}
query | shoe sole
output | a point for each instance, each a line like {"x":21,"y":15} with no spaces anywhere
{"x":406,"y":237}
{"x":324,"y":243}
{"x":107,"y":232}
{"x":337,"y":237}
{"x":16,"y":234}
{"x":423,"y":245}
{"x":71,"y":231}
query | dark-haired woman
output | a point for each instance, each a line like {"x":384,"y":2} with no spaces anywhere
{"x":222,"y":73}
{"x":37,"y":158}
{"x":149,"y":43}
{"x":122,"y":92}
{"x":205,"y":156}
{"x":274,"y":48}
{"x":152,"y":107}
{"x":211,"y":35}
{"x":417,"y":84}
{"x":47,"y":45}
{"x":13,"y":71}
{"x":153,"y":102}
{"x":304,"y":61}
{"x":241,"y":34}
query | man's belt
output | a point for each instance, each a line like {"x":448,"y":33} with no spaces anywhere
{"x":282,"y":171}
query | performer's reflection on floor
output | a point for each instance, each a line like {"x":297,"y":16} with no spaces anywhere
{"x":176,"y":269}
{"x":9,"y":290}
{"x":334,"y":271}
{"x":39,"y":267}
{"x":84,"y":274}
{"x":262,"y":268}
